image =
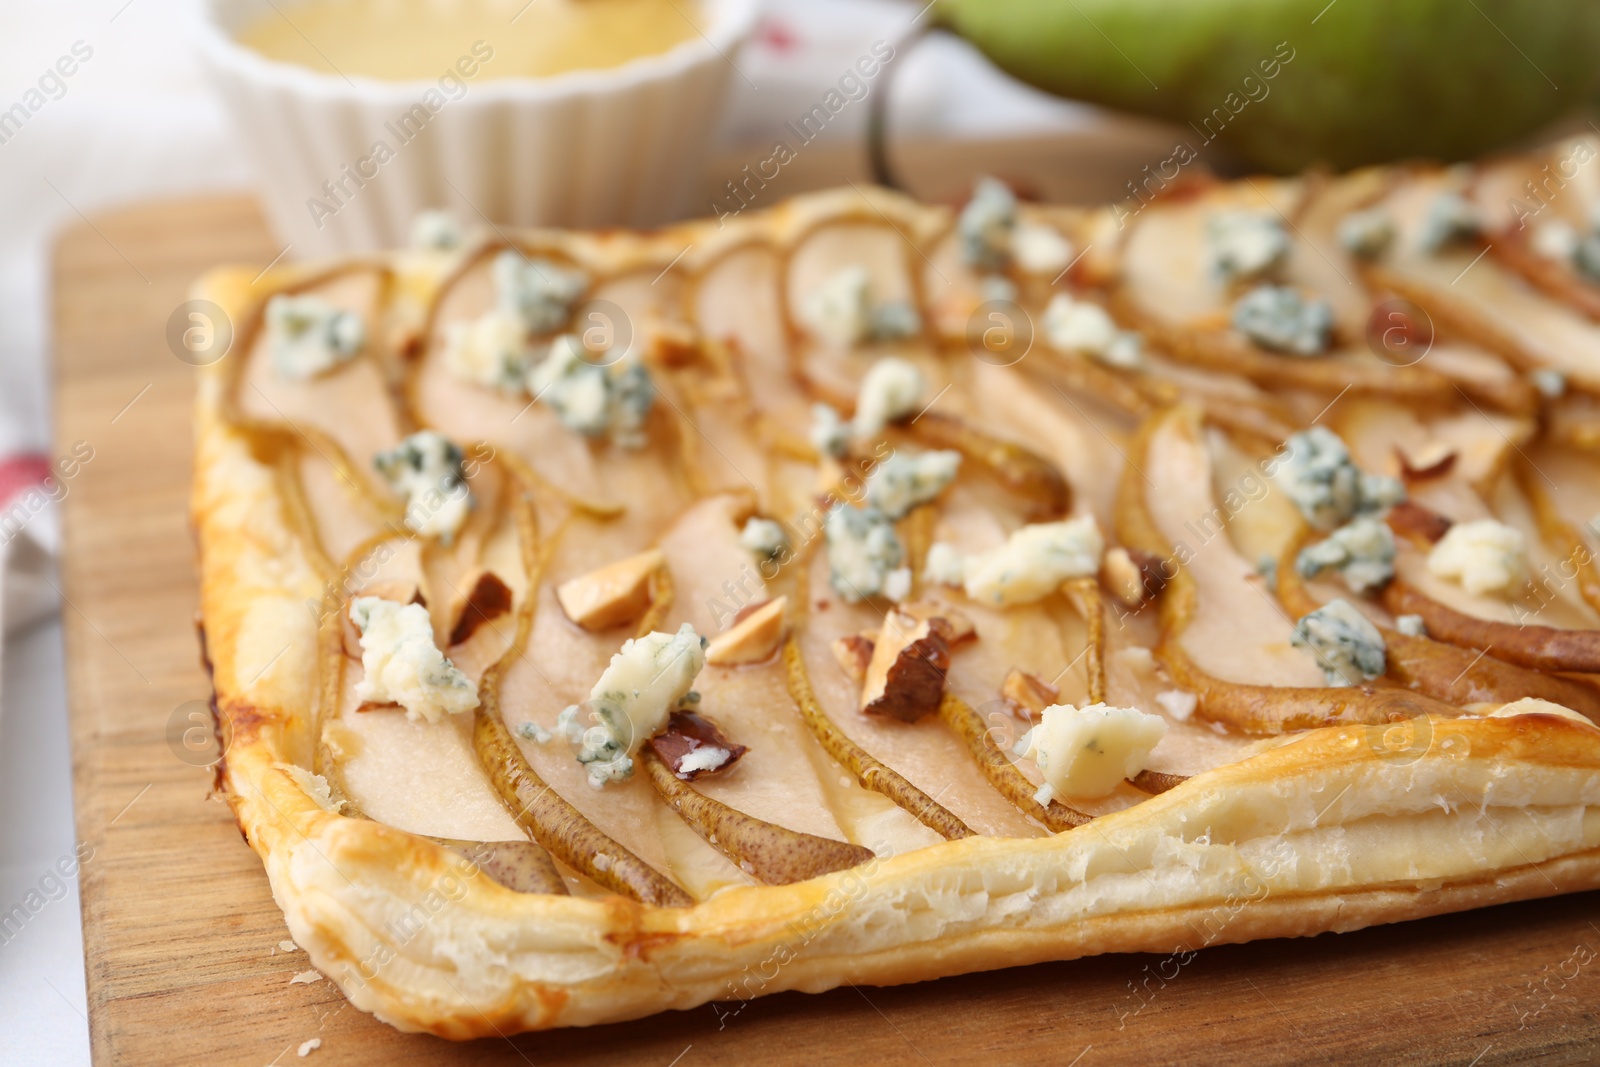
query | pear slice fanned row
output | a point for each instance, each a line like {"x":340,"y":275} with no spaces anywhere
{"x":795,"y":439}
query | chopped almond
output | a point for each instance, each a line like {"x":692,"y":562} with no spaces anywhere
{"x":399,"y":592}
{"x":905,"y":679}
{"x":612,"y":595}
{"x":951,"y":622}
{"x":1417,"y":523}
{"x":671,"y":344}
{"x":488,"y":599}
{"x":1433,"y":460}
{"x":854,"y":653}
{"x":1028,"y":692}
{"x":1131,"y":575}
{"x":753,"y":637}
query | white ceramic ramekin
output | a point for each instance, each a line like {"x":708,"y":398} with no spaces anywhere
{"x":618,"y":147}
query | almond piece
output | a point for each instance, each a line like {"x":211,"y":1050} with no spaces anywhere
{"x":489,"y":598}
{"x":1124,"y":577}
{"x":854,"y":653}
{"x":752,"y":638}
{"x":1432,"y":460}
{"x":1028,"y":692}
{"x":954,"y":624}
{"x":905,"y":679}
{"x":670,"y":343}
{"x":612,"y":595}
{"x":1418,"y":524}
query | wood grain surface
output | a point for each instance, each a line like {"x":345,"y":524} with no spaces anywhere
{"x":181,"y":932}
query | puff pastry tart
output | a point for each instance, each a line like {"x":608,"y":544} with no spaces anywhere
{"x":864,"y":591}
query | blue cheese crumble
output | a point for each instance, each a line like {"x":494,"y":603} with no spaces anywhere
{"x":427,"y":469}
{"x":647,"y":678}
{"x":890,"y":392}
{"x":1411,"y":625}
{"x":491,"y":350}
{"x":1088,"y":752}
{"x":1349,"y":649}
{"x":1245,"y":245}
{"x":863,"y":552}
{"x":1485,"y":556}
{"x":1367,"y":234}
{"x":436,"y":231}
{"x":1034,"y":561}
{"x":764,"y":537}
{"x":591,"y":399}
{"x":829,"y":433}
{"x":1081,"y":327}
{"x":1329,"y":490}
{"x":1281,"y":319}
{"x":1040,"y":249}
{"x":986,"y":224}
{"x":401,"y":664}
{"x":540,"y":291}
{"x":944,"y":565}
{"x":902,"y":482}
{"x":841,"y":311}
{"x":1361,"y":551}
{"x":1451,"y":219}
{"x":309,"y":336}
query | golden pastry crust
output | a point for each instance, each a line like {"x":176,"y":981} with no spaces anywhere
{"x":1333,"y":829}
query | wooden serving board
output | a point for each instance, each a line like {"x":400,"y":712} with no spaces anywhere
{"x":180,"y":931}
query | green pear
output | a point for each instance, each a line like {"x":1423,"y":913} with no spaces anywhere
{"x":1285,"y":84}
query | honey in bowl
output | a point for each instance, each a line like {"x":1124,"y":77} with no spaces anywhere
{"x":411,"y":40}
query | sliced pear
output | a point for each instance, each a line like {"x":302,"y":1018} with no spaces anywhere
{"x":612,"y":595}
{"x":520,"y":866}
{"x":1544,"y":648}
{"x":868,"y":771}
{"x":754,"y":636}
{"x":1155,"y":782}
{"x":1000,"y":771}
{"x":1024,"y":472}
{"x":768,"y":852}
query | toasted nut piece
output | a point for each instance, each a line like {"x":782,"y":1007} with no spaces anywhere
{"x":612,"y":595}
{"x":1432,"y":460}
{"x":399,"y":592}
{"x":671,"y":344}
{"x":854,"y":653}
{"x":1417,"y":523}
{"x":952,"y":623}
{"x":1131,"y":575}
{"x":1028,"y":692}
{"x":753,"y":637}
{"x":489,"y":598}
{"x":688,"y":732}
{"x":905,"y":679}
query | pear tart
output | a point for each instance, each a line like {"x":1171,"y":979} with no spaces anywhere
{"x":864,"y":591}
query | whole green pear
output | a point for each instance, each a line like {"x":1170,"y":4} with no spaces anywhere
{"x":1285,"y":84}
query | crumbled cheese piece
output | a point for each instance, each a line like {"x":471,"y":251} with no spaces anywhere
{"x":1034,"y":561}
{"x":1089,"y":751}
{"x":1083,"y":327}
{"x":944,"y":565}
{"x":314,"y":786}
{"x":288,"y":946}
{"x":532,"y":731}
{"x":1178,"y":703}
{"x":902,"y":482}
{"x":435,"y":231}
{"x":1535,"y":706}
{"x":838,"y":310}
{"x":1451,"y":218}
{"x":862,"y":551}
{"x":309,"y":336}
{"x":1362,"y":551}
{"x":1367,"y":234}
{"x":1279,"y":318}
{"x":1267,"y":567}
{"x":986,"y":224}
{"x":1555,"y":239}
{"x":894,"y":320}
{"x":308,"y":1046}
{"x":897,"y":584}
{"x":590,"y":399}
{"x":704,"y":758}
{"x":1044,"y":795}
{"x":764,"y":537}
{"x":1484,"y":555}
{"x":306,"y":977}
{"x":1315,"y":470}
{"x":540,"y":290}
{"x":401,"y":664}
{"x":1040,"y":249}
{"x":630,"y":703}
{"x":1349,"y":649}
{"x":890,"y":391}
{"x":427,"y":469}
{"x":1245,"y":244}
{"x":1550,"y":382}
{"x":1411,"y":625}
{"x":491,"y":350}
{"x":829,"y":433}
